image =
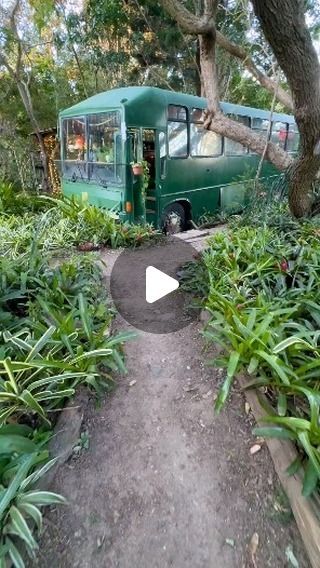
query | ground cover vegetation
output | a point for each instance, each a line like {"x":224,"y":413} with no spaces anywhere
{"x":54,"y":54}
{"x":55,"y":335}
{"x":260,"y":277}
{"x":259,"y":281}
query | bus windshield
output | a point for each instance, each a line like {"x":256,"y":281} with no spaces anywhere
{"x":92,"y":147}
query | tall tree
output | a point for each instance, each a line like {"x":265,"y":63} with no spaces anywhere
{"x":12,"y":58}
{"x":284,"y":26}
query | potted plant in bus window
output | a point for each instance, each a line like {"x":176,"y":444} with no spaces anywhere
{"x":137,"y":168}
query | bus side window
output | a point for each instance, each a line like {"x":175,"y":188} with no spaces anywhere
{"x":203,"y":143}
{"x":177,"y":131}
{"x":163,"y":154}
{"x":235,"y":148}
{"x":293,"y":139}
{"x":261,"y":126}
{"x":279,"y":133}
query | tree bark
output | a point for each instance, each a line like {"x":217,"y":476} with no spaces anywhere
{"x":284,"y":26}
{"x":26,"y":99}
{"x":216,"y":121}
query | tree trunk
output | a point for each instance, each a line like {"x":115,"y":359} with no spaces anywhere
{"x":27,"y":102}
{"x":284,"y":26}
{"x":301,"y":176}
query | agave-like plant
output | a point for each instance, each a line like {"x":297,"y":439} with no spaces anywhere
{"x":262,"y":291}
{"x":20,"y":509}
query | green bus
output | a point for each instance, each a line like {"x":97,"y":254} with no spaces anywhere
{"x":191,"y":171}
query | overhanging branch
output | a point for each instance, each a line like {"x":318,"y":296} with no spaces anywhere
{"x":265,"y":81}
{"x":196,"y":25}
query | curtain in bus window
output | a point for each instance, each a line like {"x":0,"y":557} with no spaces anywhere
{"x":74,"y":139}
{"x":204,"y":143}
{"x":105,"y":146}
{"x":293,"y":139}
{"x":178,"y":139}
{"x":235,"y":148}
{"x":279,"y":134}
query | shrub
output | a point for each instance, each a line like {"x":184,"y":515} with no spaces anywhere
{"x":21,"y":501}
{"x":65,"y":224}
{"x":262,"y":288}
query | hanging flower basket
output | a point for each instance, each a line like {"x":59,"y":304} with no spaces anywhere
{"x":137,"y":169}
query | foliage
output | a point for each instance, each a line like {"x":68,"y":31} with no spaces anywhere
{"x":261,"y":286}
{"x":66,"y":223}
{"x":13,"y":202}
{"x":55,"y":334}
{"x":53,"y":326}
{"x":21,"y":502}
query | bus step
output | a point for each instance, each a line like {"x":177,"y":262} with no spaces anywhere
{"x":150,"y":198}
{"x":150,"y":211}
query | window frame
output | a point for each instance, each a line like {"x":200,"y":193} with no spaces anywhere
{"x":95,"y":165}
{"x":64,"y":140}
{"x":86,"y":164}
{"x":191,"y":121}
{"x":182,"y":121}
{"x":294,"y":129}
{"x":260,"y":130}
{"x":284,"y":147}
{"x":249,"y":125}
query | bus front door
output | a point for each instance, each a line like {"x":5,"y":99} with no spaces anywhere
{"x":149,"y":156}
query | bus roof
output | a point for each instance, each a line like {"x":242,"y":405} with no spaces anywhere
{"x":132,"y":96}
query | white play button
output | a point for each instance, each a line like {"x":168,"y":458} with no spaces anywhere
{"x":158,"y":284}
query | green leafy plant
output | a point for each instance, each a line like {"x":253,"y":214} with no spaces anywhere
{"x":261,"y":287}
{"x":20,"y":508}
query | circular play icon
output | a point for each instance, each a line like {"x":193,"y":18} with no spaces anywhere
{"x":146,"y":290}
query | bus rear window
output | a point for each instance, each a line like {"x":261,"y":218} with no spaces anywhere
{"x":74,"y":139}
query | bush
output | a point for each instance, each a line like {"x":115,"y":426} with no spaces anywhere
{"x":261,"y":285}
{"x":54,"y":335}
{"x":21,"y":501}
{"x":13,"y":202}
{"x":65,"y":224}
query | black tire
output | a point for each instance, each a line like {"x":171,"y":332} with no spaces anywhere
{"x":173,"y":219}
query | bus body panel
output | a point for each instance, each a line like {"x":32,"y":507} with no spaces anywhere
{"x":204,"y":184}
{"x":106,"y":198}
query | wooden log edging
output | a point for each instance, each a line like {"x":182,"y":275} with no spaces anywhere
{"x":283,"y":452}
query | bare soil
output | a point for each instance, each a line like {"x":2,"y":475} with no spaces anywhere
{"x":165,"y":482}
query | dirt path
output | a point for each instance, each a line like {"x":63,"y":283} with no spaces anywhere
{"x":165,"y":482}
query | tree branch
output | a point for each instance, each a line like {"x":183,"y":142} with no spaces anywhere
{"x":198,"y":25}
{"x":238,"y":132}
{"x":191,"y":23}
{"x":269,"y":84}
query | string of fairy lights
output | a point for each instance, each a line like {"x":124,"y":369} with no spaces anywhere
{"x":50,"y":144}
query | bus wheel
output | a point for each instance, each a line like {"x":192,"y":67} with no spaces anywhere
{"x":174,"y":219}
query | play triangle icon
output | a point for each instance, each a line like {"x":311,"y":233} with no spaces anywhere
{"x":158,"y":284}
